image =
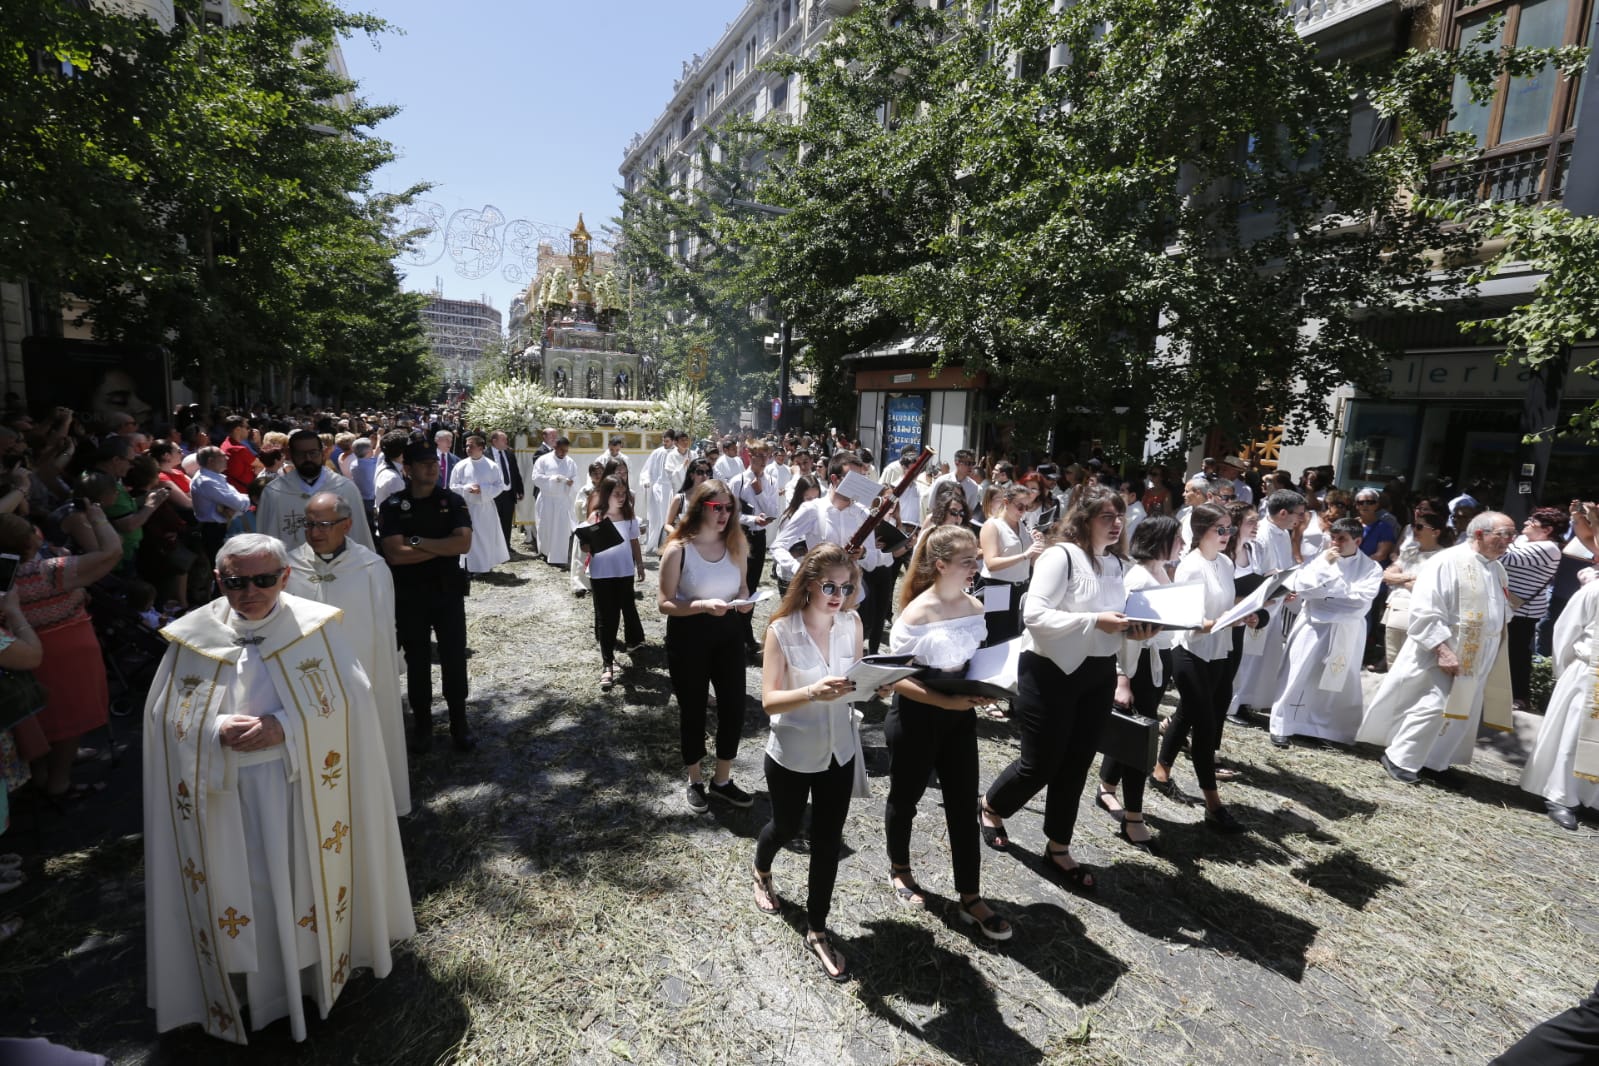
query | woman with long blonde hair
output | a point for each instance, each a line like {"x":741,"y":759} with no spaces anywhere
{"x":702,"y":571}
{"x":941,"y":625}
{"x":814,"y":745}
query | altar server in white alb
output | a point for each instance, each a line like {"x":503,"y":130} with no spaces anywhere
{"x":1564,"y":765}
{"x":1431,"y":699}
{"x":654,"y":492}
{"x":332,"y":569}
{"x":281,"y":512}
{"x":555,"y":475}
{"x":1321,"y":690}
{"x":1260,"y":668}
{"x":477,"y":479}
{"x":272,"y":858}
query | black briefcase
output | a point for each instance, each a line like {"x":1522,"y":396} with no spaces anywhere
{"x":1131,"y":739}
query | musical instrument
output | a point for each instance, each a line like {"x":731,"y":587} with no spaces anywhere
{"x":886,"y":503}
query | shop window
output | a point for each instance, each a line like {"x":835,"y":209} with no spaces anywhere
{"x":1379,"y":443}
{"x":1526,"y":128}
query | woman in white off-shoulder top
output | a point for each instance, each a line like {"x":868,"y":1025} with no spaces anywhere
{"x":941,"y":625}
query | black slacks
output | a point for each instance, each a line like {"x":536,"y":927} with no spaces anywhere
{"x":1204,"y":688}
{"x":829,"y":793}
{"x":1060,"y":716}
{"x":875,"y":609}
{"x":614,"y":603}
{"x":1519,"y":651}
{"x":756,"y":538}
{"x":1570,"y":1038}
{"x":430,"y":609}
{"x":705,"y":652}
{"x":505,"y":504}
{"x":923,"y":738}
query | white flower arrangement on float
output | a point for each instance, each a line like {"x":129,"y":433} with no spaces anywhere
{"x":514,"y":405}
{"x":575,"y":418}
{"x":684,"y":408}
{"x":636,"y":420}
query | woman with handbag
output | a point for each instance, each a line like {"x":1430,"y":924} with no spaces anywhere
{"x":1147,"y":666}
{"x":1199,"y":665}
{"x":51,"y":593}
{"x":941,"y":625}
{"x":1065,"y":686}
{"x":813,"y":751}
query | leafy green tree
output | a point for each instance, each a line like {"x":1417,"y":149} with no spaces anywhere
{"x":1176,"y":222}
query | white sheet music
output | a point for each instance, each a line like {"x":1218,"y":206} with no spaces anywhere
{"x":1169,"y":606}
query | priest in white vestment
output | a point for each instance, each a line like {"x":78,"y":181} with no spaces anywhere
{"x":281,"y":512}
{"x":1563,"y":767}
{"x":1260,"y":668}
{"x":1320,"y":693}
{"x":477,"y":479}
{"x":272,"y":858}
{"x":654,"y":494}
{"x":1430,"y":701}
{"x":555,"y":475}
{"x":528,"y":451}
{"x":333,"y":569}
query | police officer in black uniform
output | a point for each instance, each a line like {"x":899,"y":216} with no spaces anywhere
{"x":425,"y":530}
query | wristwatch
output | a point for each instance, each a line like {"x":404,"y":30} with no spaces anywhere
{"x":414,"y":541}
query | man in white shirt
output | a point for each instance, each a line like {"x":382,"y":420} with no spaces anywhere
{"x":833,"y":519}
{"x":965,"y":463}
{"x":390,"y":478}
{"x":555,"y":474}
{"x":728,"y":465}
{"x":910,"y":502}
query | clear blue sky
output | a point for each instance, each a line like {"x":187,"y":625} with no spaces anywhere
{"x":522,"y":104}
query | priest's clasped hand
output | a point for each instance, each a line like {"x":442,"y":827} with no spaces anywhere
{"x":1448,"y":662}
{"x":244,"y":733}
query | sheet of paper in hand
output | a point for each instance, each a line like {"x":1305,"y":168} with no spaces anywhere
{"x":1168,"y":606}
{"x":992,"y":672}
{"x":1269,"y":590}
{"x":858,"y":488}
{"x":761,"y":596}
{"x":873,"y":672}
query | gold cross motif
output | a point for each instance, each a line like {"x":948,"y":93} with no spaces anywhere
{"x":309,"y":921}
{"x":342,"y":905}
{"x":224,"y":1019}
{"x":340,"y":974}
{"x":232,"y":921}
{"x":336,"y":841}
{"x":195,"y":875}
{"x":184,"y":802}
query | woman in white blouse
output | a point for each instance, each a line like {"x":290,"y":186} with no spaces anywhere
{"x":941,"y":625}
{"x":1199,"y":663}
{"x":1065,"y":686}
{"x":1147,"y":666}
{"x":814,"y":748}
{"x":1009,"y":549}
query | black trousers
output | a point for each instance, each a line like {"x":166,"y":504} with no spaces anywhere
{"x":505,"y":504}
{"x":1519,"y":651}
{"x":1007,"y":624}
{"x":1146,"y":701}
{"x":614,"y":603}
{"x":1568,"y":1039}
{"x":1204,"y":688}
{"x":829,"y":793}
{"x":756,"y":538}
{"x":212,"y":535}
{"x":705,"y":652}
{"x":422,"y":612}
{"x":923,"y":738}
{"x":1060,"y":716}
{"x":875,"y":609}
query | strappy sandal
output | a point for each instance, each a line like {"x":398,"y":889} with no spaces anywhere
{"x":993,"y":927}
{"x":1142,"y":845}
{"x":1104,"y":805}
{"x":607,"y":679}
{"x":1079,"y":878}
{"x":993,"y":835}
{"x":906,"y":890}
{"x":820,"y":945}
{"x":766,"y":898}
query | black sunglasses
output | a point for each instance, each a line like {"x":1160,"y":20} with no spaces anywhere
{"x":830,"y":588}
{"x":260,"y":581}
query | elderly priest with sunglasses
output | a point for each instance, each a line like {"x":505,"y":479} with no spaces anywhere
{"x":272,"y":857}
{"x":333,"y":569}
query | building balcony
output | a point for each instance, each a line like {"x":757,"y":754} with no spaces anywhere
{"x":1313,"y":16}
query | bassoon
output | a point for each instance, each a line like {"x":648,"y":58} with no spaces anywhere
{"x":886,"y":503}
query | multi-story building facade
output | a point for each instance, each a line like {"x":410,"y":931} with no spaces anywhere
{"x":459,"y":331}
{"x":1451,"y":411}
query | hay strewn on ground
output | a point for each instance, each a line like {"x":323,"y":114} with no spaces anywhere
{"x":572,"y":910}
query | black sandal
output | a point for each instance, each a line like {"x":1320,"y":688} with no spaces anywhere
{"x":1142,"y":845}
{"x":1079,"y":878}
{"x":993,"y":927}
{"x":1170,"y":789}
{"x":820,"y":945}
{"x":763,"y":886}
{"x":907,"y":892}
{"x":993,"y":835}
{"x":1099,"y":801}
